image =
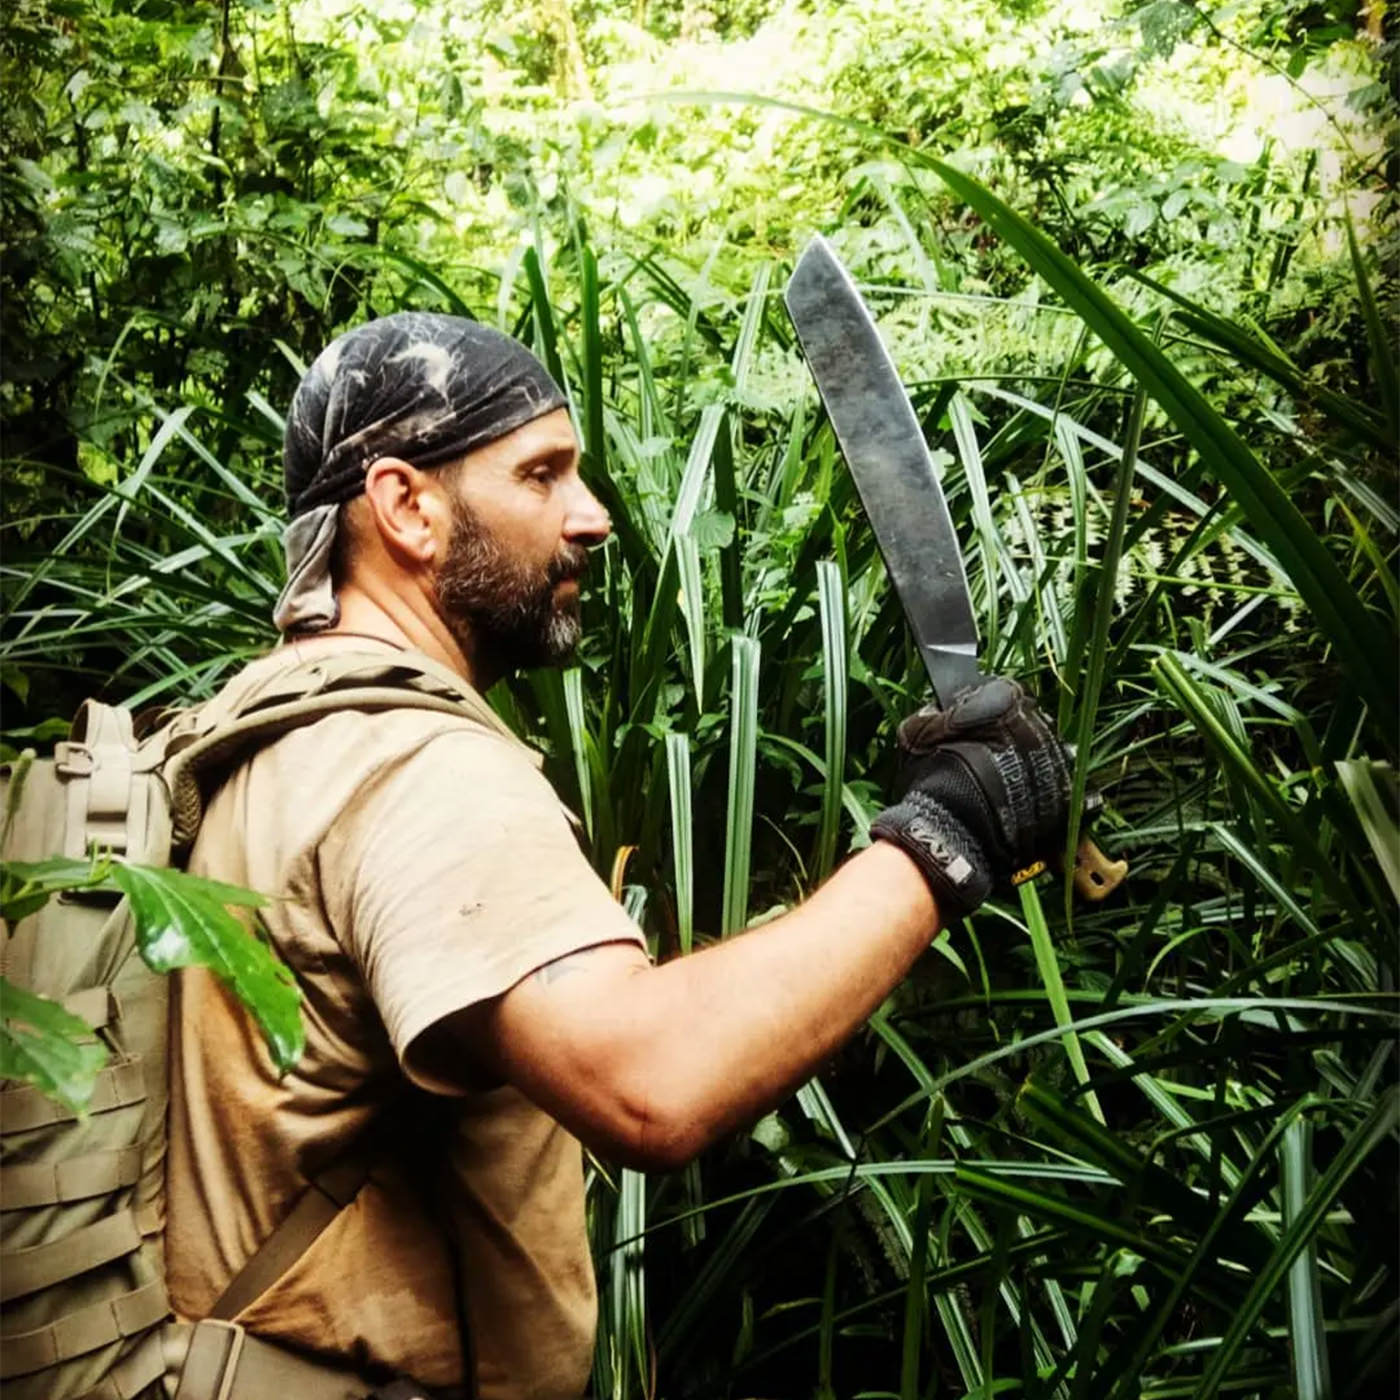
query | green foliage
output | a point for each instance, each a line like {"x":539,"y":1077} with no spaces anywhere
{"x":1140,"y":1149}
{"x":180,"y":920}
{"x":183,"y":920}
{"x":44,"y":1045}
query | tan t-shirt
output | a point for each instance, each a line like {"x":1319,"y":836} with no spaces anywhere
{"x":420,"y":863}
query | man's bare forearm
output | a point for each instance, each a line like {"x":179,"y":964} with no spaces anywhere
{"x":742,"y":1024}
{"x":654,"y":1063}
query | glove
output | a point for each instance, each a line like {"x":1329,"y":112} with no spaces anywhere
{"x":982,"y":792}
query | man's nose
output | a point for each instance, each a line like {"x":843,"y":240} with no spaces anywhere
{"x":586,"y":522}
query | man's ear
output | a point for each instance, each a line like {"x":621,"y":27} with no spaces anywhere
{"x":408,"y":510}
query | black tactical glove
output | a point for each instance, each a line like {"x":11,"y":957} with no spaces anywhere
{"x":982,"y":793}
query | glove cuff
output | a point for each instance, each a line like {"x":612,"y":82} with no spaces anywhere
{"x":941,"y":845}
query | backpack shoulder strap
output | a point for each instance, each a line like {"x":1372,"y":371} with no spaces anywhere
{"x":201,"y":742}
{"x":210,"y":738}
{"x":328,"y":1194}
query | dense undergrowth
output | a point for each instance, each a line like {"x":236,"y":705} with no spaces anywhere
{"x":1147,"y":1148}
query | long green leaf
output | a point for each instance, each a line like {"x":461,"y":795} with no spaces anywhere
{"x":1366,"y":785}
{"x":1048,"y":965}
{"x":682,"y":840}
{"x":1306,"y":1319}
{"x":1380,"y":339}
{"x":1125,"y":1370}
{"x":1105,"y":600}
{"x":831,"y":595}
{"x":692,"y":606}
{"x":743,"y":752}
{"x":1248,"y":349}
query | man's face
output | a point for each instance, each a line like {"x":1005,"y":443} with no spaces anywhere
{"x":522,"y":521}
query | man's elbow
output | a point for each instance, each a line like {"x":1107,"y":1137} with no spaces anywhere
{"x":658,"y":1132}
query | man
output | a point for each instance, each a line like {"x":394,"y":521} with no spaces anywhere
{"x":447,"y":931}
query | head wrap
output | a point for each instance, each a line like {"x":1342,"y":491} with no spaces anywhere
{"x":418,"y":385}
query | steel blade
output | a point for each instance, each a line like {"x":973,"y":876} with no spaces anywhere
{"x":884,"y":446}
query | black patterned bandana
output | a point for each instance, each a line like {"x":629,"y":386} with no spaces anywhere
{"x":418,"y":385}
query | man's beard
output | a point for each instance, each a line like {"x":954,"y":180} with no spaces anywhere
{"x":503,"y":613}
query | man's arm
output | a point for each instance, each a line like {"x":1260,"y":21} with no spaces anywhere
{"x":652,"y":1064}
{"x":649,"y":1065}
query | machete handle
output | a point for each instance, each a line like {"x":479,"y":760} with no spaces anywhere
{"x":1095,"y":876}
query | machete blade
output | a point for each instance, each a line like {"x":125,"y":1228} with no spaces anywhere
{"x":884,"y":446}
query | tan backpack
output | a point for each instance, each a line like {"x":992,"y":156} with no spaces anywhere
{"x":83,"y":1308}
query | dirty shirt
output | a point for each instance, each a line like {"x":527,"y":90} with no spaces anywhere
{"x":419,"y":863}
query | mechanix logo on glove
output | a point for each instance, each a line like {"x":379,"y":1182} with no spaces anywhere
{"x":934,"y":840}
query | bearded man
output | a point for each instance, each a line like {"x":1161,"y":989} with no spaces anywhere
{"x":476,"y":1004}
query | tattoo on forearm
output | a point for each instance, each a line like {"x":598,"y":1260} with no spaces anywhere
{"x":561,"y":967}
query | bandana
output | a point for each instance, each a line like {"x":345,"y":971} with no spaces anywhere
{"x":417,"y":385}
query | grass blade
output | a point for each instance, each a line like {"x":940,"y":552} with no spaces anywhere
{"x":1245,"y":348}
{"x":832,"y":606}
{"x":578,"y":742}
{"x":1092,"y":679}
{"x":682,"y":840}
{"x":1362,"y":783}
{"x":692,"y":606}
{"x":1379,"y":338}
{"x":1308,"y":1338}
{"x":743,"y":759}
{"x":1048,"y":965}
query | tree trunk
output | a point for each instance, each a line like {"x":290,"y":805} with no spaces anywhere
{"x":570,"y":70}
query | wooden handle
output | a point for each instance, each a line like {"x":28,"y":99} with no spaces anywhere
{"x":1095,"y":876}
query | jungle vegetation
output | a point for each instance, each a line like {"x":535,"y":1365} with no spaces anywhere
{"x":1136,"y":262}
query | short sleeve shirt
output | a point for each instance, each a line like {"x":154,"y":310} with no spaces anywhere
{"x":419,"y":863}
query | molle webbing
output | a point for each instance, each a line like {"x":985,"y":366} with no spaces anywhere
{"x":83,"y":1309}
{"x":81,"y":1268}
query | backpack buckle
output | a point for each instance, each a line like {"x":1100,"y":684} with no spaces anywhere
{"x":72,"y":760}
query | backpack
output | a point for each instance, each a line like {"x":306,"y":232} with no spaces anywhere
{"x":83,"y":1307}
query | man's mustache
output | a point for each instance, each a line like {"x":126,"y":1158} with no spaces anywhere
{"x":570,"y":563}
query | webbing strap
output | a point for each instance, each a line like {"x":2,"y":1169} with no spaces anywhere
{"x":226,"y":1363}
{"x":82,"y":1331}
{"x":328,"y":1194}
{"x":342,"y":670}
{"x":42,"y":1265}
{"x":98,"y":1006}
{"x":227,"y":743}
{"x":116,"y":1086}
{"x":32,"y":1184}
{"x":131,"y":1376}
{"x":100,"y":758}
{"x":98,"y":727}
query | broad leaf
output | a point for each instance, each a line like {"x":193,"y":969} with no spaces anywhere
{"x":182,"y":921}
{"x":27,"y":885}
{"x":47,"y":1046}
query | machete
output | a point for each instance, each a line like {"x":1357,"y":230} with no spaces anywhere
{"x":884,"y":447}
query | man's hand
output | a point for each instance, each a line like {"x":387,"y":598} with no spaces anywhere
{"x":982,"y":792}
